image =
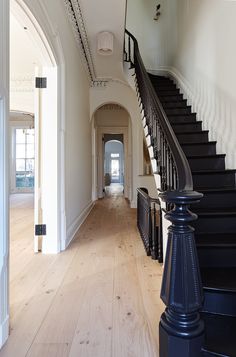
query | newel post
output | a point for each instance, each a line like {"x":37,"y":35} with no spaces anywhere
{"x":181,"y":329}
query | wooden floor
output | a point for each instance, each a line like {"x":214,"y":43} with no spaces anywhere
{"x":100,"y":298}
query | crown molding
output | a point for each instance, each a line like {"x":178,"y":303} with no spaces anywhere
{"x":75,"y":16}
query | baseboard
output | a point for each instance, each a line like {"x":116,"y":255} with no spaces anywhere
{"x":4,"y":332}
{"x":74,"y":227}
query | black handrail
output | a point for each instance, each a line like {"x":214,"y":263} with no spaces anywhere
{"x":181,"y":329}
{"x":184,"y":175}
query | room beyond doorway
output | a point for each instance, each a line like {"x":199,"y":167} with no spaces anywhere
{"x":113,"y":160}
{"x":114,"y":189}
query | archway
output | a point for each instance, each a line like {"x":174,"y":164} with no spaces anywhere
{"x":111,"y":121}
{"x":114,"y":164}
{"x":33,"y":88}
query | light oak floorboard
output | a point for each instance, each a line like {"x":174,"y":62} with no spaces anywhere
{"x":100,"y":298}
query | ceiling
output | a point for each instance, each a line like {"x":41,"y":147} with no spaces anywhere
{"x":93,"y":18}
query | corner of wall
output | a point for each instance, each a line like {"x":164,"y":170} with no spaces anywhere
{"x":76,"y":224}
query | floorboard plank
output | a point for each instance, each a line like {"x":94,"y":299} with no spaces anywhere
{"x":100,"y":298}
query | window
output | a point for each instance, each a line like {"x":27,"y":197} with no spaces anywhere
{"x":115,"y":155}
{"x":115,"y":167}
{"x":24,"y":154}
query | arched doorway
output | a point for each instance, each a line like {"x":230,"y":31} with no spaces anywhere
{"x":34,"y":89}
{"x":111,"y":122}
{"x":114,"y":168}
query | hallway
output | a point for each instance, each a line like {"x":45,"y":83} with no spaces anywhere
{"x":100,"y":298}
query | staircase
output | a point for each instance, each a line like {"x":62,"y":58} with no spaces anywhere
{"x":215,"y":229}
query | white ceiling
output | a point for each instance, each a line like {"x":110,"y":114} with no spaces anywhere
{"x":105,"y":15}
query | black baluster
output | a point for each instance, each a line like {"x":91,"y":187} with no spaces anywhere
{"x":129,"y":49}
{"x":154,"y":251}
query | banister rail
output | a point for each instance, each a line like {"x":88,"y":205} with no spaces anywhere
{"x":181,"y":331}
{"x":184,"y":176}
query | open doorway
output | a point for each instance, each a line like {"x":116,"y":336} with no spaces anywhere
{"x":33,"y":123}
{"x":30,"y":152}
{"x":114,"y":167}
{"x":112,"y":147}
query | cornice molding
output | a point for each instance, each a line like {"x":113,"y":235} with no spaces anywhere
{"x":75,"y":15}
{"x":76,"y":18}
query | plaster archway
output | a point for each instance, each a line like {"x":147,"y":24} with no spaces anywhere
{"x":49,"y":119}
{"x":98,"y":131}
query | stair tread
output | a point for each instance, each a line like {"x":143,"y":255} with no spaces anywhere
{"x":215,"y":239}
{"x":203,"y":172}
{"x":227,"y":211}
{"x":184,"y":123}
{"x":218,"y":189}
{"x":199,"y":143}
{"x":207,"y":156}
{"x":220,"y":334}
{"x":179,"y":114}
{"x":222,"y":278}
{"x":193,"y":132}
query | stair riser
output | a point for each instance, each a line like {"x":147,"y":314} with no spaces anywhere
{"x":164,"y":85}
{"x":195,"y":150}
{"x":190,"y":118}
{"x":219,"y":224}
{"x":183,"y":111}
{"x":171,"y":98}
{"x":210,"y":257}
{"x":219,"y":302}
{"x":214,"y":180}
{"x":218,"y":199}
{"x":193,"y":137}
{"x":208,"y":163}
{"x":166,"y":92}
{"x":183,"y":128}
{"x":174,"y":105}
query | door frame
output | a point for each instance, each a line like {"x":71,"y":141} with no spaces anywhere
{"x":100,"y":163}
{"x":55,"y":45}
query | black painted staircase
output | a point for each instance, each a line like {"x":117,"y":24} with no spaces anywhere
{"x":216,"y":225}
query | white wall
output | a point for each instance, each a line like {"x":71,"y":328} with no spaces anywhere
{"x":77,"y":126}
{"x":204,"y":65}
{"x":154,"y":39}
{"x":24,"y":57}
{"x":74,"y":139}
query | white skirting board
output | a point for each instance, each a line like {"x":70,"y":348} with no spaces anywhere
{"x":74,"y":227}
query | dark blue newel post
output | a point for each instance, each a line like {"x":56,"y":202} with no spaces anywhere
{"x":181,"y":329}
